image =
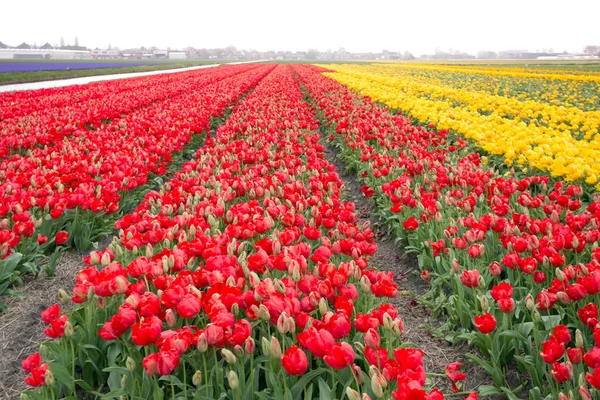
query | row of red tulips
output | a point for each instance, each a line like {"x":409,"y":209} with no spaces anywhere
{"x":245,"y":276}
{"x":68,"y":194}
{"x":518,"y":257}
{"x":70,"y":110}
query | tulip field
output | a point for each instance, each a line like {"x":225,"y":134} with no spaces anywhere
{"x":235,"y":268}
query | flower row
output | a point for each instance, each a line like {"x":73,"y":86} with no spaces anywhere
{"x":45,"y":118}
{"x":518,"y":257}
{"x":555,"y":139}
{"x":61,"y":195}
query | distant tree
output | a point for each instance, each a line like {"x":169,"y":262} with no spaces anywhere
{"x":109,"y":47}
{"x":312,"y":54}
{"x":407,"y":56}
{"x":62,"y":42}
{"x":592,"y":50}
{"x":76,"y":41}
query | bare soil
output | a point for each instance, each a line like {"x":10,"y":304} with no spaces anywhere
{"x":21,"y":328}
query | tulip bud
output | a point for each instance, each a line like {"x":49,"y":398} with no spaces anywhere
{"x":536,"y":316}
{"x":100,"y":303}
{"x":578,"y":338}
{"x":377,"y":386}
{"x":49,"y":378}
{"x":94,"y":260}
{"x":560,"y":275}
{"x":279,"y":286}
{"x":352,"y":394}
{"x":63,"y":297}
{"x":356,"y":371}
{"x":481,"y":282}
{"x":105,"y":261}
{"x":323,"y":307}
{"x":455,"y":266}
{"x":530,"y":302}
{"x":388,"y":322}
{"x":233,"y":380}
{"x":130,"y":363}
{"x":275,"y":348}
{"x":149,"y":251}
{"x":282,"y":324}
{"x":564,"y":298}
{"x":202,"y":343}
{"x":235,"y":309}
{"x":366,"y":397}
{"x":264,"y":313}
{"x":266,"y":346}
{"x":228,"y":356}
{"x":584,"y":393}
{"x":398,"y":327}
{"x":485,"y":305}
{"x":249,"y":346}
{"x":68,"y":329}
{"x":124,"y":381}
{"x":197,"y":378}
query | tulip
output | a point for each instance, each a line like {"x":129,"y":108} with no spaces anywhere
{"x":485,"y":323}
{"x":294,"y":361}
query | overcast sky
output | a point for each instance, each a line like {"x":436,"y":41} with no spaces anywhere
{"x":418,"y":26}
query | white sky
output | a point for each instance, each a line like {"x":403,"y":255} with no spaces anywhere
{"x":409,"y":25}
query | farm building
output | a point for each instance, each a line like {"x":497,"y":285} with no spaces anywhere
{"x":177,"y":55}
{"x":43,"y":54}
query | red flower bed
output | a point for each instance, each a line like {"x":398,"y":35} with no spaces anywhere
{"x":33,"y":119}
{"x":245,"y":274}
{"x":477,"y":234}
{"x":74,"y":183}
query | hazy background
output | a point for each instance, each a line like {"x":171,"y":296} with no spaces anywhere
{"x":414,"y":26}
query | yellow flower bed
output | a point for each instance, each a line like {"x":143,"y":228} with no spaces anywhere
{"x":563,"y":140}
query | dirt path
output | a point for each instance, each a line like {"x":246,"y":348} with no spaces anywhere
{"x":389,"y":257}
{"x":21,"y":328}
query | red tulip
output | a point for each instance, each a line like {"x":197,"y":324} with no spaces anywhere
{"x":561,"y":372}
{"x":470,"y":278}
{"x":411,"y":224}
{"x":552,"y":351}
{"x":37,"y":377}
{"x":503,"y":290}
{"x":340,"y":356}
{"x":294,"y":361}
{"x":575,"y":354}
{"x":594,"y":378}
{"x":189,"y":306}
{"x":592,"y":357}
{"x":453,"y":373}
{"x":31,"y":362}
{"x":161,"y":363}
{"x":485,"y":323}
{"x":146,"y":332}
{"x":51,"y":313}
{"x":61,"y":238}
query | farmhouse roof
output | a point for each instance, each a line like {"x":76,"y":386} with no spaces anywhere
{"x":23,"y":46}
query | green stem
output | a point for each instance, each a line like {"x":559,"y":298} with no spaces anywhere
{"x":205,"y":372}
{"x":73,"y":366}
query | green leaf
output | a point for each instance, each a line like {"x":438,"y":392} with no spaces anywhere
{"x":324,"y":390}
{"x":487,"y":390}
{"x":62,"y":375}
{"x":306,"y":378}
{"x":509,"y":393}
{"x":513,"y":334}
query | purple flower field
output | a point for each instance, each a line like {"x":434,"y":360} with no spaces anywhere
{"x":62,"y":65}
